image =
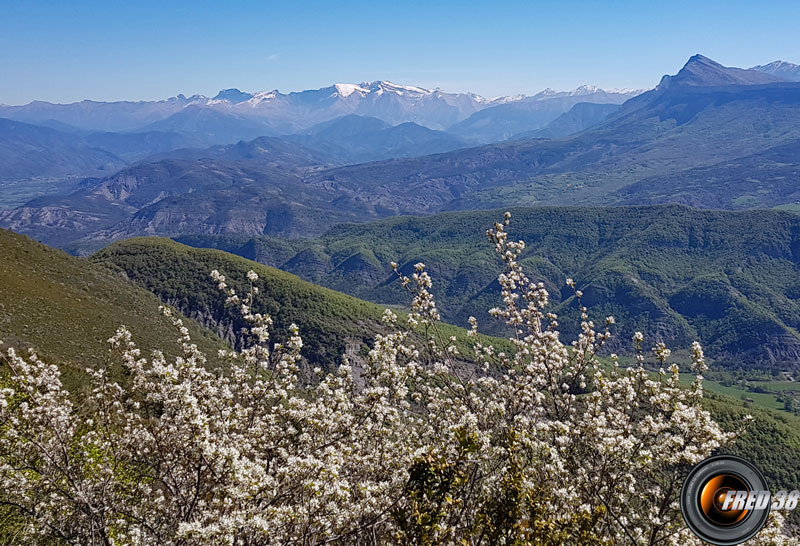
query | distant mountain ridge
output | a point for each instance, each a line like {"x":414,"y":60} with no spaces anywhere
{"x":284,"y":112}
{"x":359,"y":139}
{"x":504,"y":121}
{"x":637,"y":154}
{"x":298,"y":110}
{"x":100,"y":116}
{"x":583,"y":115}
{"x":781,"y":69}
{"x":210,"y":127}
{"x":27,"y":149}
{"x":702,"y":71}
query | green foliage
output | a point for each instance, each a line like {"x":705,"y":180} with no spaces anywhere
{"x":771,"y":440}
{"x":512,"y":515}
{"x":432,"y":494}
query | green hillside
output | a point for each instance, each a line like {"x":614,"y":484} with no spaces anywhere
{"x":772,"y":441}
{"x":729,"y":279}
{"x":332,"y":324}
{"x":66,"y":308}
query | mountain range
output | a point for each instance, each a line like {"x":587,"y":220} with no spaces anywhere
{"x":271,"y":113}
{"x":653,"y":201}
{"x":704,"y":117}
{"x":27,"y":150}
{"x":504,"y":121}
{"x":284,"y":113}
{"x":46,"y":148}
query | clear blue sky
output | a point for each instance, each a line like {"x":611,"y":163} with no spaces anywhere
{"x":141,"y":49}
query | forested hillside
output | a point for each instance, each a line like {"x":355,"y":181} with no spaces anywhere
{"x":676,"y":273}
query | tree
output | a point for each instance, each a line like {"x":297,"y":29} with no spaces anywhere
{"x":542,"y":445}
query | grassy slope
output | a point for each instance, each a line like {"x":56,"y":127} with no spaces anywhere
{"x":66,"y":308}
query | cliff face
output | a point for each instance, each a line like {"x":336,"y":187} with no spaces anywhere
{"x":219,"y":323}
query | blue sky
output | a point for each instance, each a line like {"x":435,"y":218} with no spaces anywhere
{"x":140,"y":49}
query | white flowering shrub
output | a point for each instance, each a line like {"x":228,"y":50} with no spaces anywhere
{"x":541,"y":445}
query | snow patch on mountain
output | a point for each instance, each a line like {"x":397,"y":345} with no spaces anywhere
{"x":347,"y":89}
{"x":782,"y":69}
{"x":263,"y":96}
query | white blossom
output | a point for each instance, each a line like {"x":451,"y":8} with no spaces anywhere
{"x":262,"y":453}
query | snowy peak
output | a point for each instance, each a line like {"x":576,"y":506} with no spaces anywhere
{"x":782,"y":69}
{"x":585,"y":90}
{"x":346,"y":89}
{"x":234,"y":96}
{"x":580,"y":91}
{"x":263,"y":96}
{"x":504,"y":100}
{"x":379,"y":87}
{"x":700,"y":71}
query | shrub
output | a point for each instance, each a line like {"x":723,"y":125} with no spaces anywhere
{"x":542,"y":445}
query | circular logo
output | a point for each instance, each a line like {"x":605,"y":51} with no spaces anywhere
{"x":725,"y":500}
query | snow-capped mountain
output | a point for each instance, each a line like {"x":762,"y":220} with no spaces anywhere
{"x":781,"y":69}
{"x":504,"y":120}
{"x":288,"y":113}
{"x":393,"y":103}
{"x":385,"y":100}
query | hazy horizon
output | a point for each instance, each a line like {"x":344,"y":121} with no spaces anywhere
{"x":67,"y":53}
